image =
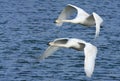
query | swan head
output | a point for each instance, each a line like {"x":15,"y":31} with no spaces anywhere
{"x":57,"y":21}
{"x":59,"y":42}
{"x":56,"y":44}
{"x":51,"y":43}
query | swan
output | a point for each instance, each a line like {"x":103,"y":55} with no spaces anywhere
{"x":90,"y":51}
{"x":82,"y":18}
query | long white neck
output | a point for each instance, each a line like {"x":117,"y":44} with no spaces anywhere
{"x":59,"y":21}
{"x":67,"y":21}
{"x":75,"y":21}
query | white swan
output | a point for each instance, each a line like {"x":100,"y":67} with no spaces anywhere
{"x":77,"y":44}
{"x":82,"y":18}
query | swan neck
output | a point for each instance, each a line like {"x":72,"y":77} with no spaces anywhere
{"x":66,"y":20}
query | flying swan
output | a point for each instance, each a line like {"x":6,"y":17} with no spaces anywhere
{"x":82,"y":18}
{"x":90,"y":51}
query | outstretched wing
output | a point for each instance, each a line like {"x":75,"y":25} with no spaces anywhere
{"x":81,"y":14}
{"x":98,"y":21}
{"x":49,"y":51}
{"x":90,"y":56}
{"x":66,"y":13}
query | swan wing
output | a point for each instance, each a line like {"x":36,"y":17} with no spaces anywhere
{"x":98,"y":21}
{"x":66,"y":13}
{"x":81,"y":14}
{"x":90,"y":56}
{"x":48,"y":52}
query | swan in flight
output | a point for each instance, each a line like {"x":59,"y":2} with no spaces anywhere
{"x":82,"y":18}
{"x":90,"y":51}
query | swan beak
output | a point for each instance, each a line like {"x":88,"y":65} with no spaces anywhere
{"x":55,"y":21}
{"x":50,"y":43}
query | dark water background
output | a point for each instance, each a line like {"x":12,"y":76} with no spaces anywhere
{"x":26,"y":26}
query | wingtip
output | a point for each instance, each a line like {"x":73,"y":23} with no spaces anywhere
{"x":96,"y":36}
{"x":40,"y":58}
{"x":88,"y":73}
{"x":89,"y":76}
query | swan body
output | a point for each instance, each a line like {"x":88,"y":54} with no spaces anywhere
{"x":90,"y":51}
{"x":82,"y":18}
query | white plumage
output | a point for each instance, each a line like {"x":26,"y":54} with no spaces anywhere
{"x":82,"y":18}
{"x":90,"y":51}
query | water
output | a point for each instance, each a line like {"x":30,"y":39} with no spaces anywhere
{"x":26,"y":26}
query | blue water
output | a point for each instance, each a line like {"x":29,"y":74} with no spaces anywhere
{"x":26,"y":26}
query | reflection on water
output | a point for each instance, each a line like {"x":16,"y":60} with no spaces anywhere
{"x":27,"y":26}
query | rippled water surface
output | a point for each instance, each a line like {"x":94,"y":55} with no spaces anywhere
{"x":26,"y":26}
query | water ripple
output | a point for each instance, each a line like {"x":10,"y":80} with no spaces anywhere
{"x":27,"y":26}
